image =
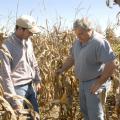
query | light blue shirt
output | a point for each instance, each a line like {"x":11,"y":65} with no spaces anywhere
{"x":89,"y":58}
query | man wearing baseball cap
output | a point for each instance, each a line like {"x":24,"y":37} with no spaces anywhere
{"x":21,"y":71}
{"x":29,"y":23}
{"x":93,"y":61}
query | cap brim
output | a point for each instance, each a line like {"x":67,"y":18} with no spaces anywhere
{"x":34,"y":30}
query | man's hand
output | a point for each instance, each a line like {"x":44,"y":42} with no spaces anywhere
{"x":17,"y":105}
{"x":39,"y":87}
{"x":95,"y":87}
{"x":58,"y":72}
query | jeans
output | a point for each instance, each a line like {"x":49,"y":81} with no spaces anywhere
{"x":28,"y":92}
{"x":90,"y":104}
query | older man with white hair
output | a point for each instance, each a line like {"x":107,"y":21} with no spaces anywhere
{"x":93,"y":61}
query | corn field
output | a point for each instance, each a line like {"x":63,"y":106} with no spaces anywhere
{"x":59,"y":99}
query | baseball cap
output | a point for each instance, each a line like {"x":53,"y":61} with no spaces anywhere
{"x":83,"y":23}
{"x":28,"y":22}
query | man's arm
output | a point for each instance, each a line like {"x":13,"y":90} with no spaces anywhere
{"x":5,"y":72}
{"x":37,"y":79}
{"x":66,"y":65}
{"x":108,"y":70}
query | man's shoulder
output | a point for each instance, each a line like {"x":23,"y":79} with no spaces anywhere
{"x":99,"y":38}
{"x":11,"y":42}
{"x":4,"y":52}
{"x":8,"y":40}
{"x":8,"y":44}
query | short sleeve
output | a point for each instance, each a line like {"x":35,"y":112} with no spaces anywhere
{"x":105,"y":52}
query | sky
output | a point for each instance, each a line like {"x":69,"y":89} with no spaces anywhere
{"x":54,"y":11}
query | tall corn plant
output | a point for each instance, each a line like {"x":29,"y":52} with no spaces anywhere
{"x":59,"y":99}
{"x":113,"y":97}
{"x":60,"y":95}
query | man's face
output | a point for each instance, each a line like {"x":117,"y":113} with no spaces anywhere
{"x":27,"y":34}
{"x":81,"y":34}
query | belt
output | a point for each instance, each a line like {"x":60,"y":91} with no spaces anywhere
{"x":91,"y":79}
{"x":29,"y":84}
